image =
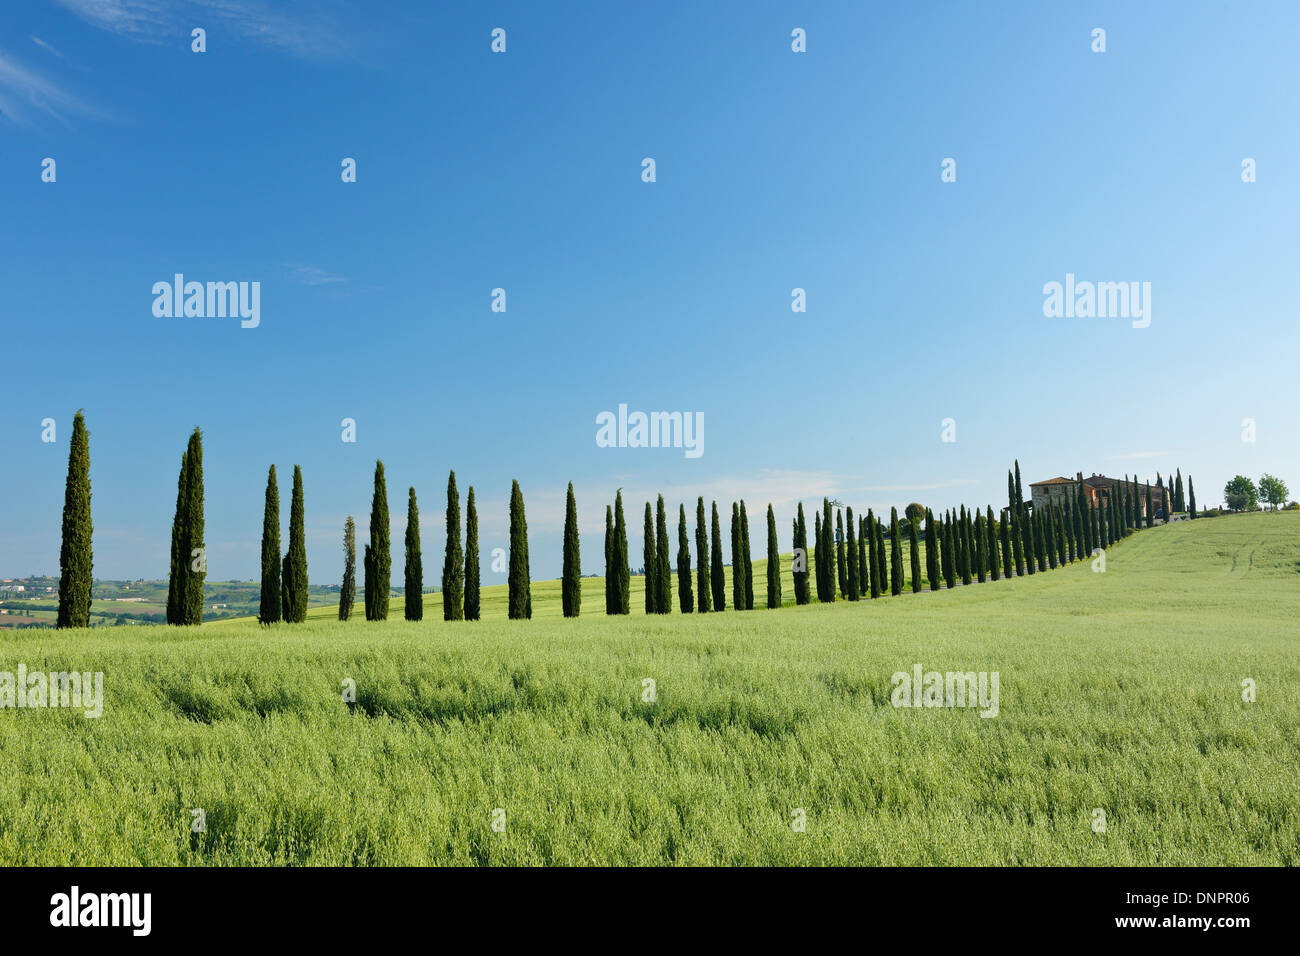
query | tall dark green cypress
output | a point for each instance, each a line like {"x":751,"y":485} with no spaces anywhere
{"x":703,"y":587}
{"x":864,"y":565}
{"x":610,"y":607}
{"x":1013,"y":519}
{"x":269,"y":607}
{"x":931,"y":551}
{"x":414,"y":579}
{"x":773,"y":562}
{"x":685,"y":597}
{"x":819,"y":557}
{"x":964,"y":545}
{"x":895,"y":555}
{"x":873,"y":572}
{"x":914,"y":546}
{"x":717,"y":581}
{"x":293,"y":585}
{"x":650,"y":557}
{"x":571,"y":590}
{"x":1005,"y":534}
{"x":1030,"y":519}
{"x":378,"y":558}
{"x":473,"y":606}
{"x":623,"y":581}
{"x":75,"y":555}
{"x":193,"y":553}
{"x":991,"y":545}
{"x":841,"y":561}
{"x":520,"y":590}
{"x":737,"y":564}
{"x":348,"y":592}
{"x":1151,"y":516}
{"x":981,"y":555}
{"x":1191,"y":498}
{"x":180,"y":567}
{"x":801,"y":546}
{"x":747,"y":555}
{"x":851,"y":556}
{"x":1049,"y":519}
{"x":453,"y":559}
{"x":1179,"y":503}
{"x":832,"y":566}
{"x":885,"y":580}
{"x":949,"y":563}
{"x":663,"y":560}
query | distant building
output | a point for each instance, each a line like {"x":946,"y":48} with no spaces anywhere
{"x":1097,"y":489}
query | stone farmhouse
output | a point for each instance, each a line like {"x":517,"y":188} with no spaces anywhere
{"x":1097,"y":489}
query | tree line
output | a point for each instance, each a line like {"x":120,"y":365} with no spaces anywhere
{"x":853,"y":557}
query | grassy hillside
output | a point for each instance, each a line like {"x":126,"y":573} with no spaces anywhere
{"x":1119,"y":691}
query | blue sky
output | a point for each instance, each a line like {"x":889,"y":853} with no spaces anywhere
{"x":522,"y":170}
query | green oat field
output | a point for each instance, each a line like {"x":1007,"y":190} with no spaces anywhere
{"x":1119,"y":691}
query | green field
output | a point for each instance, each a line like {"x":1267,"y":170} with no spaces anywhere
{"x":1120,"y":691}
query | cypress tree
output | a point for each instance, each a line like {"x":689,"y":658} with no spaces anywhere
{"x":1005,"y":534}
{"x":1179,"y":503}
{"x":194,"y":553}
{"x":571,"y":591}
{"x":851,"y":556}
{"x":348,"y":593}
{"x":1135,"y":502}
{"x":931,"y":551}
{"x":702,"y":583}
{"x":980,"y":553}
{"x":801,"y":546}
{"x":873,"y":573}
{"x":832,"y":566}
{"x":819,"y":557}
{"x":1151,"y":515}
{"x":1043,"y":535}
{"x":453,"y":560}
{"x":609,"y":561}
{"x":737,"y":564}
{"x":663,"y":561}
{"x":179,"y":567}
{"x":864,"y":566}
{"x":841,"y":560}
{"x":1013,"y":519}
{"x":716,"y":579}
{"x":1191,"y":498}
{"x":1067,"y":527}
{"x":269,"y":609}
{"x":75,"y":556}
{"x":649,"y":555}
{"x":991,"y":544}
{"x":914,"y":545}
{"x":1049,"y":518}
{"x":747,"y":555}
{"x":293,"y":586}
{"x":880,"y":555}
{"x":415,"y":564}
{"x":521,"y":596}
{"x":622,"y":570}
{"x":1030,"y":519}
{"x":964,"y":545}
{"x":473,"y":607}
{"x":378,"y":558}
{"x":773,"y":562}
{"x":895,"y":555}
{"x":685,"y":597}
{"x":949,"y":551}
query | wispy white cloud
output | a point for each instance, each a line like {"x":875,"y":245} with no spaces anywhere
{"x":45,"y":46}
{"x":313,"y":275}
{"x":23,"y":90}
{"x":304,"y":30}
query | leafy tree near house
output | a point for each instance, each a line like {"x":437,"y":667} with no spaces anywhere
{"x":75,"y":554}
{"x":702,"y":583}
{"x":453,"y":561}
{"x":895,"y":555}
{"x":414,"y":579}
{"x":716,"y":579}
{"x":348,"y":592}
{"x":473,"y":605}
{"x":378,"y":561}
{"x":851,"y":556}
{"x":520,"y":582}
{"x":801,"y":546}
{"x":293,"y":585}
{"x":1191,"y":498}
{"x":685,"y":595}
{"x":571,"y":588}
{"x":610,"y":605}
{"x":622,"y":571}
{"x":931,"y":551}
{"x":269,"y":608}
{"x":663,"y":560}
{"x":1273,"y":490}
{"x":915,"y":512}
{"x":746,"y":555}
{"x":914,"y":546}
{"x":650,"y":557}
{"x":773,"y":562}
